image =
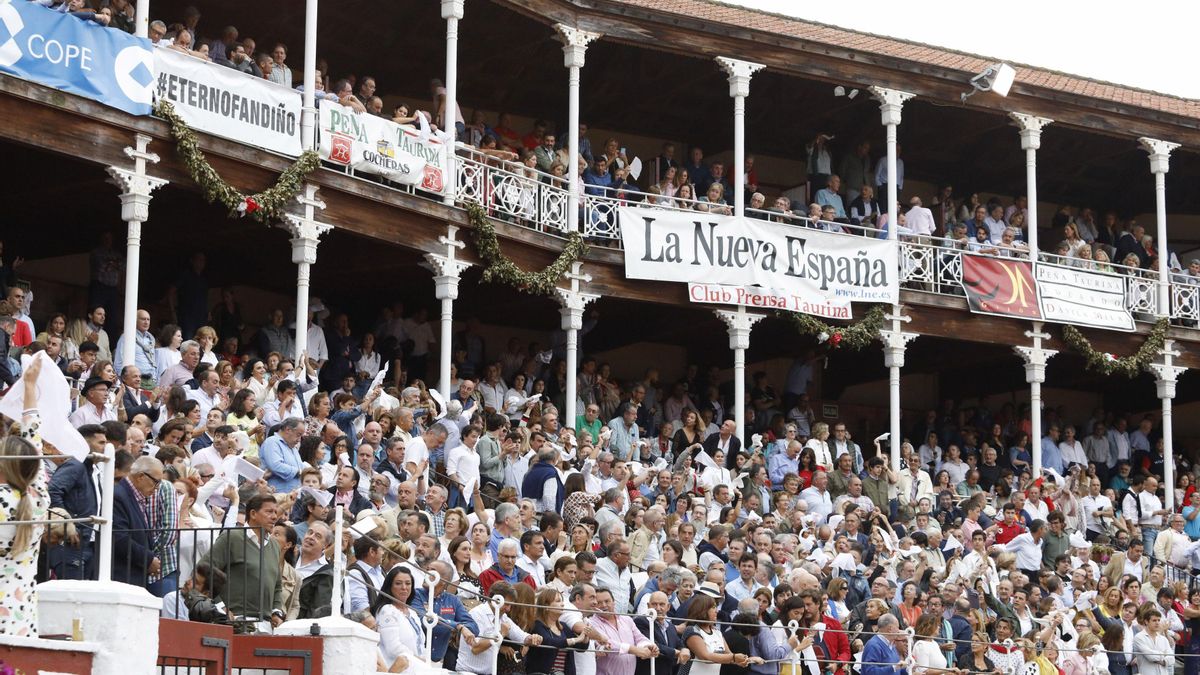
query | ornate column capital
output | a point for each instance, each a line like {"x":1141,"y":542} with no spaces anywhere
{"x":136,"y":187}
{"x":739,"y":324}
{"x":447,"y":273}
{"x":1165,"y":372}
{"x":739,"y":73}
{"x":572,"y":299}
{"x":575,"y":43}
{"x":1030,"y":127}
{"x":890,"y":103}
{"x":452,"y":9}
{"x":1160,"y":153}
{"x":895,"y":343}
{"x":1035,"y":359}
{"x":305,"y":228}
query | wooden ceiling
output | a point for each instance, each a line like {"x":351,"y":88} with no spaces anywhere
{"x":511,"y":61}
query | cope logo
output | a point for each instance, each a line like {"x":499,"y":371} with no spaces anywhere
{"x":10,"y":51}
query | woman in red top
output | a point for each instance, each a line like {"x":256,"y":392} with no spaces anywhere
{"x":808,"y":465}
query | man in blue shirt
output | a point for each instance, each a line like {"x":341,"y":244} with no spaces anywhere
{"x":782,"y":463}
{"x":828,"y":196}
{"x":452,"y":615}
{"x":280,"y":456}
{"x":597,"y":179}
{"x":880,"y":656}
{"x":1051,"y":455}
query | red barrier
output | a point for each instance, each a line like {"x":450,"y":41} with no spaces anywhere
{"x":296,"y":655}
{"x":188,"y":644}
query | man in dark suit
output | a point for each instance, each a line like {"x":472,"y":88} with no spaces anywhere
{"x":726,"y":442}
{"x":73,"y":489}
{"x":136,"y":401}
{"x":671,"y":652}
{"x":133,"y":558}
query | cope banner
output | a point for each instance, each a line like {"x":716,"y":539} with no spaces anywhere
{"x":374,"y":145}
{"x":794,"y":261}
{"x":229,"y":103}
{"x":80,"y":57}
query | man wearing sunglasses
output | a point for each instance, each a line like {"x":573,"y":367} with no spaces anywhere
{"x":134,"y":561}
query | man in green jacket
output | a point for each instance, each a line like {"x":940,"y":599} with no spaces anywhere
{"x":250,"y":560}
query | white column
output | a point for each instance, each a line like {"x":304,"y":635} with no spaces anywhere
{"x":141,"y":18}
{"x":895,"y":342}
{"x":740,"y":323}
{"x":1035,"y":358}
{"x":306,"y":234}
{"x":575,"y":43}
{"x":136,"y":188}
{"x":452,"y":11}
{"x":739,"y":73}
{"x":308,"y":110}
{"x":448,"y":270}
{"x":1160,"y":160}
{"x":1165,"y":374}
{"x":890,"y":103}
{"x":1031,"y":139}
{"x":573,"y":302}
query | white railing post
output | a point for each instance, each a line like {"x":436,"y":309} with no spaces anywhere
{"x":1165,"y":375}
{"x":306,"y":235}
{"x":739,"y":73}
{"x":573,"y":301}
{"x":1035,"y":359}
{"x":891,"y":101}
{"x":1160,"y":163}
{"x":895,"y":343}
{"x":1031,"y":139}
{"x":339,"y":564}
{"x":136,"y":190}
{"x":308,"y":110}
{"x":575,"y":43}
{"x":432,"y":579}
{"x":448,"y":271}
{"x":141,"y":19}
{"x":739,"y":323}
{"x":498,"y":607}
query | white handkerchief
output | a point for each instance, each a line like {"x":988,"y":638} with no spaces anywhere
{"x":703,"y":457}
{"x":53,"y":404}
{"x":321,"y":496}
{"x":379,"y":376}
{"x":236,"y":466}
{"x":635,"y":167}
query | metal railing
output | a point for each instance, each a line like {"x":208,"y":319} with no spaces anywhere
{"x":515,"y":193}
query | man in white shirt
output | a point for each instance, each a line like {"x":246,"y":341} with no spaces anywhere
{"x":614,"y":574}
{"x":479,"y":655}
{"x":575,"y":616}
{"x":920,"y":219}
{"x":1152,"y":512}
{"x":1028,"y":547}
{"x":1097,"y":510}
{"x":533,"y":547}
{"x":364,"y":578}
{"x":207,"y":395}
{"x":318,"y":350}
{"x":312,"y":549}
{"x":745,"y":584}
{"x":1072,"y":449}
{"x":492,"y":388}
{"x":817,"y":497}
{"x":95,"y":409}
{"x":462,"y":467}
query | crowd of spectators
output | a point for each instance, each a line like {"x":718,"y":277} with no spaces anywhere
{"x":651,"y":501}
{"x":647,"y":501}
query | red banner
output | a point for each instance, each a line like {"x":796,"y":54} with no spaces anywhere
{"x":999,"y":286}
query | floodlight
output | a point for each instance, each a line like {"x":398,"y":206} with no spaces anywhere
{"x":996,"y":78}
{"x":852,"y":94}
{"x":839,"y":90}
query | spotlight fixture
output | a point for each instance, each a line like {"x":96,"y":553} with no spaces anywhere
{"x":839,"y":91}
{"x":996,"y":78}
{"x":852,"y":94}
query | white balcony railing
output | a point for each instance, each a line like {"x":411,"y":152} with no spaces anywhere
{"x":528,"y":198}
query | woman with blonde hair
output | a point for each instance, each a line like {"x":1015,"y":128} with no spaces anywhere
{"x":207,"y":337}
{"x":23,"y":498}
{"x":819,"y":444}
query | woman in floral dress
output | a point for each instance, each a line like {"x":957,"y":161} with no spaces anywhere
{"x":23,"y":496}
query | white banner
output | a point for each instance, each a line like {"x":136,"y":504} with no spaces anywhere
{"x":810,"y":264}
{"x":370,"y":144}
{"x":228,"y":103}
{"x":1082,"y":297}
{"x":768,"y":298}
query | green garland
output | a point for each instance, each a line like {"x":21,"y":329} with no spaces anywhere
{"x":855,"y":336}
{"x":263,"y":206}
{"x":1108,"y":364}
{"x":500,"y":269}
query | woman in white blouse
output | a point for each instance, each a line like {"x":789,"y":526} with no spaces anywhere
{"x":368,"y":361}
{"x":820,"y":445}
{"x":401,"y":636}
{"x":170,"y":337}
{"x":928,"y":657}
{"x":717,"y":474}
